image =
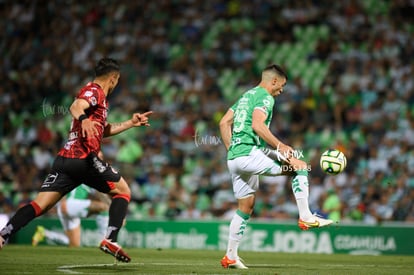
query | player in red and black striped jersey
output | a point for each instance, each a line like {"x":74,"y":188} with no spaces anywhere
{"x":78,"y":162}
{"x":79,"y":146}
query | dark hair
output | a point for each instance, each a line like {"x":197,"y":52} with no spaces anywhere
{"x":279,"y":70}
{"x":105,"y":66}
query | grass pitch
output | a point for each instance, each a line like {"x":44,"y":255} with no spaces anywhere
{"x":47,"y":260}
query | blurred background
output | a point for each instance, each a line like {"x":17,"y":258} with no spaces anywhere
{"x":351,"y":87}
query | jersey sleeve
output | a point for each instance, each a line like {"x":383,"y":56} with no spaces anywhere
{"x":264,"y":103}
{"x":91,"y":95}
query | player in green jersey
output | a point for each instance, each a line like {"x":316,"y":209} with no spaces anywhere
{"x":245,"y":133}
{"x":81,"y":202}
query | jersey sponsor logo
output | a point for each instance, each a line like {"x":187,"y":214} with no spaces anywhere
{"x":113,"y":170}
{"x":235,"y":141}
{"x":97,"y":163}
{"x":73,"y":135}
{"x":266,"y":106}
{"x":93,"y":101}
{"x":69,"y":144}
{"x":266,"y":102}
{"x":243,"y":101}
{"x":50,"y":179}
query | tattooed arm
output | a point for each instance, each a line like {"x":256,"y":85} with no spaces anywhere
{"x":136,"y":120}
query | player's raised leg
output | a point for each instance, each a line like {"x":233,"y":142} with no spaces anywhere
{"x":300,"y":188}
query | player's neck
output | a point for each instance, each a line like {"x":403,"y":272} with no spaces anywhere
{"x":103,"y":85}
{"x":266,"y":87}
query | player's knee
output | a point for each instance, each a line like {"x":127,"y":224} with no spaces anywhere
{"x":63,"y":207}
{"x":298,"y":165}
{"x":101,"y":206}
{"x":246,"y":204}
{"x":122,"y":190}
{"x":125,"y":190}
{"x":121,"y":187}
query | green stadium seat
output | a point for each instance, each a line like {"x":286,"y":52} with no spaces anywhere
{"x":309,"y":33}
{"x":248,"y":24}
{"x":298,"y":31}
{"x":176,"y":51}
{"x":322,"y":31}
{"x":160,"y":209}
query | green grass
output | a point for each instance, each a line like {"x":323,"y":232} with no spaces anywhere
{"x":47,"y":260}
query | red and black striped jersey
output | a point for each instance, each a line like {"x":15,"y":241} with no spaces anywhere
{"x":76,"y":145}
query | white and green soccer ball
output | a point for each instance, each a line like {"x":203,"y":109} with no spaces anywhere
{"x":333,"y":162}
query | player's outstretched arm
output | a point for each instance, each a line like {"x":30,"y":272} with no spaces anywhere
{"x":137,"y":120}
{"x":225,"y":127}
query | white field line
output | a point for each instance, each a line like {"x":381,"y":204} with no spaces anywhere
{"x":71,"y":269}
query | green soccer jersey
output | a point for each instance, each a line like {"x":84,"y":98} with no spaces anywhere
{"x":80,"y":193}
{"x":243,"y":137}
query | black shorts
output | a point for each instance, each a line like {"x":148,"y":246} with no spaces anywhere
{"x":68,"y":173}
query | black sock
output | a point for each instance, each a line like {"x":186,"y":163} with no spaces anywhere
{"x":22,"y":217}
{"x":117,"y":213}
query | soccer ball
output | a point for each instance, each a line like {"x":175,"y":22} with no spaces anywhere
{"x":333,"y":161}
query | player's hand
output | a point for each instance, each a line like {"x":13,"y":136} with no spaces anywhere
{"x":139,"y":119}
{"x":89,"y":128}
{"x":286,"y":151}
{"x":289,"y":150}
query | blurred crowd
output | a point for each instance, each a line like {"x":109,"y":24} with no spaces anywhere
{"x":174,"y":57}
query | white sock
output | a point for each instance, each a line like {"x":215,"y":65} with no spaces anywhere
{"x":236,"y":231}
{"x":300,"y":188}
{"x":56,"y":237}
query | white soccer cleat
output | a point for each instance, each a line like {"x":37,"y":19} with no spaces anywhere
{"x":237,"y":264}
{"x":317,"y":222}
{"x":323,"y":222}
